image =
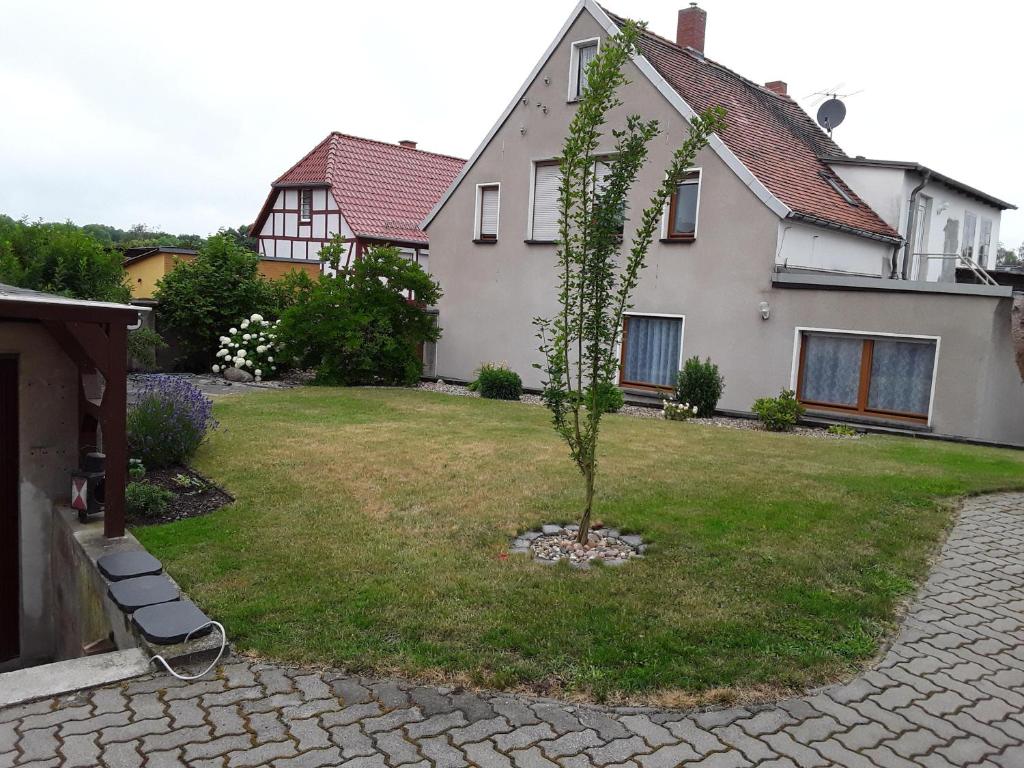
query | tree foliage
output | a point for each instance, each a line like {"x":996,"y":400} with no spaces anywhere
{"x":199,"y":299}
{"x":59,"y":258}
{"x":595,"y":278}
{"x":358,"y":325}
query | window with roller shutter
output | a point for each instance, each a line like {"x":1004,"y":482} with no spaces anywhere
{"x":488,"y":207}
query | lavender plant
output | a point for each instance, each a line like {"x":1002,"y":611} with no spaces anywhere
{"x":169,"y":421}
{"x":595,"y":278}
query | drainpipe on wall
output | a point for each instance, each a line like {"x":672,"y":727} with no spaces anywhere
{"x":911,"y":227}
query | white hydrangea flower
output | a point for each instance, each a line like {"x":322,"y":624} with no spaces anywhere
{"x":270,"y":358}
{"x":244,"y":324}
{"x":232,"y":331}
{"x":248,"y":363}
{"x":258,"y":373}
{"x":225,"y":339}
{"x":695,"y":410}
{"x":241,"y":353}
{"x":256,"y":318}
{"x":260,"y":349}
{"x":246,"y":336}
{"x":265,"y":323}
{"x":216,"y":369}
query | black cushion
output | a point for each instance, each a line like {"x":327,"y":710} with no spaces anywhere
{"x":132,"y":594}
{"x":169,"y":623}
{"x":128,"y":565}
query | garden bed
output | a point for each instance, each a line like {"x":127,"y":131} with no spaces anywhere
{"x":193,"y":495}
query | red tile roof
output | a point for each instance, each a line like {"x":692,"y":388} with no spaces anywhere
{"x":770,"y":134}
{"x":383,"y":190}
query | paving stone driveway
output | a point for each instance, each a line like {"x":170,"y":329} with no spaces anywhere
{"x":948,"y":692}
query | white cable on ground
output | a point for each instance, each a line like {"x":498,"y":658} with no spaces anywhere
{"x":223,"y":646}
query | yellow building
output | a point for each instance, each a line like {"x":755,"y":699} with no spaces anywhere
{"x":145,"y":266}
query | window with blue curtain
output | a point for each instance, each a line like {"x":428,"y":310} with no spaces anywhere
{"x":651,"y":346}
{"x":882,"y":376}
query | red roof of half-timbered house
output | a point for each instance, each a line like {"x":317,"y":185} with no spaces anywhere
{"x":383,"y":190}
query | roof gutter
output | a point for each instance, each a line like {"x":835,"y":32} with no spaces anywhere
{"x":819,"y":222}
{"x":926,"y":176}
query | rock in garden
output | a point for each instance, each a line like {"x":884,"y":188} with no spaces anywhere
{"x":237,"y":374}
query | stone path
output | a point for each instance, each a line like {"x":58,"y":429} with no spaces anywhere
{"x":949,"y":692}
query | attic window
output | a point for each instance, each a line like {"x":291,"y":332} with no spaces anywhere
{"x":834,"y":183}
{"x":582,"y":53}
{"x":306,"y":206}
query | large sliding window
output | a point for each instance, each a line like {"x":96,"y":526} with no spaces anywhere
{"x":651,"y":346}
{"x":874,"y":376}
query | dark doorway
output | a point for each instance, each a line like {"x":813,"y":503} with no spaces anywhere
{"x":10,"y":591}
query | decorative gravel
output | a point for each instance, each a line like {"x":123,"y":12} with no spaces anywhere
{"x":647,"y":412}
{"x":555,"y":542}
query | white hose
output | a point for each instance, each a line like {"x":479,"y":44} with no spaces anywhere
{"x":223,"y":646}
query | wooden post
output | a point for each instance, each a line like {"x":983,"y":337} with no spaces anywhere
{"x":115,"y":441}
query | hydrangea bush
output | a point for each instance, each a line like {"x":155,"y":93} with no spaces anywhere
{"x":168,"y":422}
{"x":678,"y":411}
{"x":251,"y":347}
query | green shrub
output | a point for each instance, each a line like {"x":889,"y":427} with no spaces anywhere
{"x":843,"y":430}
{"x":496,"y":381}
{"x":146,"y":500}
{"x":143,"y":344}
{"x":359,"y":326}
{"x":136,"y":470}
{"x":700,"y":384}
{"x":201,"y":298}
{"x":779,"y":414}
{"x":610,"y":398}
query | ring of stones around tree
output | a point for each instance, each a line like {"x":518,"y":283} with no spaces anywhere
{"x":553,"y":543}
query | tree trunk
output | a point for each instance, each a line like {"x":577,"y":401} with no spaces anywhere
{"x":585,"y":520}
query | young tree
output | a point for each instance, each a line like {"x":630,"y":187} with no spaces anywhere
{"x":595,"y":278}
{"x":359,"y":326}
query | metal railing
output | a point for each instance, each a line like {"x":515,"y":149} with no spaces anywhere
{"x":958,"y":259}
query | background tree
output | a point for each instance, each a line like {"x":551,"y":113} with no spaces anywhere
{"x":200,"y":299}
{"x":359,"y":326}
{"x":595,"y":279}
{"x":60,"y":258}
{"x":1007,"y":257}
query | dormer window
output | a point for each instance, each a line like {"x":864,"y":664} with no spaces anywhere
{"x":583,"y":52}
{"x":305,"y":206}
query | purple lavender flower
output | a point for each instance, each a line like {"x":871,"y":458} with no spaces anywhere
{"x":169,"y":421}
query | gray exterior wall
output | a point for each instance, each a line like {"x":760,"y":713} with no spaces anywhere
{"x":492,"y":292}
{"x":48,"y":425}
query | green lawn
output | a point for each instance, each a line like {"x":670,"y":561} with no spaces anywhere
{"x":370,"y":528}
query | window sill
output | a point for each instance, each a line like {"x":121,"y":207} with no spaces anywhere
{"x":678,"y":240}
{"x":541,"y":242}
{"x":481,"y":241}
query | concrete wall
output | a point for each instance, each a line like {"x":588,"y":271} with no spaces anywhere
{"x":48,"y":424}
{"x":803,"y":246}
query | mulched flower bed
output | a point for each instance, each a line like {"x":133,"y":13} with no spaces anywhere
{"x":194,"y":495}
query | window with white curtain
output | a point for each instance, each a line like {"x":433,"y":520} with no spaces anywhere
{"x":883,"y":376}
{"x":546,"y":179}
{"x":583,"y":52}
{"x":651,"y":346}
{"x":487,"y":206}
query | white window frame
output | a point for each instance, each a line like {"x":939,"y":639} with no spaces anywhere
{"x":638,"y":313}
{"x":574,"y":65}
{"x":478,"y":209}
{"x":666,"y":224}
{"x":800,"y":329}
{"x":302,"y":192}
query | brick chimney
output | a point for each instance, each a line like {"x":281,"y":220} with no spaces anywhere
{"x":407,"y":143}
{"x":690,"y":30}
{"x":777,"y":86}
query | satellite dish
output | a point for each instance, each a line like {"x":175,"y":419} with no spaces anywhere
{"x":831,"y":113}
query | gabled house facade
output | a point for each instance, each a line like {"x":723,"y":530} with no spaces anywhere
{"x":369,"y":192}
{"x":771,"y":260}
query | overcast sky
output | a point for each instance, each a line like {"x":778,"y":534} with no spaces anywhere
{"x":179,"y":115}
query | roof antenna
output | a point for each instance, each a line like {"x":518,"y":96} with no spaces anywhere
{"x":832,"y":111}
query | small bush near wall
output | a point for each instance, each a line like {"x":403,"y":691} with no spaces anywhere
{"x":143,"y":344}
{"x":145,"y":500}
{"x":168,"y":422}
{"x":610,"y":398}
{"x":700,"y":384}
{"x":678,"y":411}
{"x":497,"y":381}
{"x":779,"y":414}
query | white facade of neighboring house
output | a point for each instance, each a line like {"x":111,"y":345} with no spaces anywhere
{"x":951,"y":217}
